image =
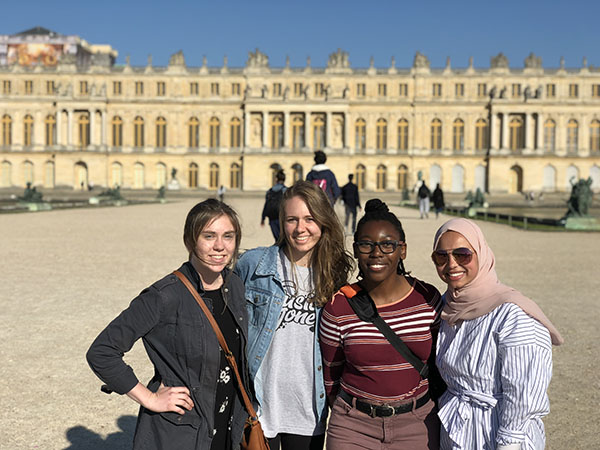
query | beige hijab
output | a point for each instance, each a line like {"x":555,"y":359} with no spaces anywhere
{"x":485,"y":292}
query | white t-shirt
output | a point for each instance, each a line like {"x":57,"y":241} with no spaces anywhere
{"x":287,"y":371}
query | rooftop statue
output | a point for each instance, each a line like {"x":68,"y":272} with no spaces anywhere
{"x":533,"y":62}
{"x":257,"y":59}
{"x":421,"y":61}
{"x":338,"y":60}
{"x":499,"y":61}
{"x":177,"y":59}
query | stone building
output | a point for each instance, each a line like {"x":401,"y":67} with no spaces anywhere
{"x":70,"y":116}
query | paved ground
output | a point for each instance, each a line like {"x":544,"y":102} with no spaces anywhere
{"x":66,"y":274}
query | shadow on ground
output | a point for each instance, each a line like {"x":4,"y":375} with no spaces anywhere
{"x":82,"y":438}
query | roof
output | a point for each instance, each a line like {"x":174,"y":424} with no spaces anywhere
{"x":37,"y":31}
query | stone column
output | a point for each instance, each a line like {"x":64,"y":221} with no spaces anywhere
{"x":286,"y":129}
{"x":70,"y":128}
{"x":540,"y":131}
{"x":328,"y":129}
{"x":265,"y":128}
{"x":505,"y":131}
{"x":247,"y":116}
{"x":529,"y":131}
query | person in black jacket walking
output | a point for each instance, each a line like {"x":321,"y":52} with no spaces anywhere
{"x":192,"y":401}
{"x":438,"y":200}
{"x":351,"y":202}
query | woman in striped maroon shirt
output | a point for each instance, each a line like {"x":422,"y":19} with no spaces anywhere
{"x":378,"y":399}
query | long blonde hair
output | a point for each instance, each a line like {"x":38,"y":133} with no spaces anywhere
{"x":331,"y":264}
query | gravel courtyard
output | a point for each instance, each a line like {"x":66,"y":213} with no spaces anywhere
{"x":66,"y":274}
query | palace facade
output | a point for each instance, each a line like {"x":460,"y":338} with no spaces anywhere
{"x":69,"y":116}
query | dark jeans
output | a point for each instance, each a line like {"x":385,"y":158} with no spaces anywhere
{"x":297,"y":442}
{"x":350,"y":211}
{"x":274,"y":224}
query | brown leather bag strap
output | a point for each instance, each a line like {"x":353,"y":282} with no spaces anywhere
{"x":221,"y":339}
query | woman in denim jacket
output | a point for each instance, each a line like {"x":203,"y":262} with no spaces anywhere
{"x":287,"y":284}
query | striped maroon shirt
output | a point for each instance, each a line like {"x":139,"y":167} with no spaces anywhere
{"x":357,"y":357}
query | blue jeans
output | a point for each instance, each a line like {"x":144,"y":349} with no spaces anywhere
{"x":274,"y":224}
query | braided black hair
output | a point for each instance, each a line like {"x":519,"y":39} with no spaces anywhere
{"x":375,"y":209}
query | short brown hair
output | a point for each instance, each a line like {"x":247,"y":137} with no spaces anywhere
{"x":204,"y":213}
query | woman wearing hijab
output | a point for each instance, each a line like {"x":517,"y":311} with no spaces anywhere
{"x":494,"y":349}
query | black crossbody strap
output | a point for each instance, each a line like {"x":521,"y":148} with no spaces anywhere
{"x":364,"y":307}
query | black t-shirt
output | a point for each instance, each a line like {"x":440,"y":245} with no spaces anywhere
{"x":226,"y":381}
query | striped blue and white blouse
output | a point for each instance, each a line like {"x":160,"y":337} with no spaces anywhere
{"x":497,"y":368}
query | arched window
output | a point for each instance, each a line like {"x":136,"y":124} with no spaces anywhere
{"x":595,"y":176}
{"x":381,"y":134}
{"x":402,"y":177}
{"x":27,"y":131}
{"x":481,"y":134}
{"x":572,"y":135}
{"x":297,"y":173}
{"x":83,"y":124}
{"x":213,"y":176}
{"x":235,"y":176}
{"x":297,"y":131}
{"x":117,"y":131}
{"x":360,"y":135}
{"x":81,"y":175}
{"x":116,"y":174}
{"x":49,"y":174}
{"x":458,"y":178}
{"x":50,"y":123}
{"x":235,"y":133}
{"x":595,"y":136}
{"x":161,"y":175}
{"x":549,"y":183}
{"x":435,"y":175}
{"x":275,"y":167}
{"x":138,"y":132}
{"x":27,"y":172}
{"x":381,"y":174}
{"x":161,"y":132}
{"x":516,"y":180}
{"x":6,"y":130}
{"x":193,"y":132}
{"x":572,"y":174}
{"x":319,"y":132}
{"x":403,"y":134}
{"x":6,"y":174}
{"x":550,"y":135}
{"x":360,"y":175}
{"x":276,"y":130}
{"x":193,"y":175}
{"x":138,"y":176}
{"x":214,"y":125}
{"x":458,"y":135}
{"x":517,"y":133}
{"x":436,"y":134}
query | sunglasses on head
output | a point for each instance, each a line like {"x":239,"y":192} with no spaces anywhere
{"x":461,"y":255}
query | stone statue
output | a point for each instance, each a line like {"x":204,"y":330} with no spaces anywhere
{"x":173,"y":173}
{"x":177,"y":59}
{"x":499,"y":61}
{"x":479,"y":199}
{"x":149,"y":60}
{"x":161,"y":193}
{"x":538,"y":92}
{"x":421,"y":61}
{"x":562,"y":62}
{"x":112,"y":194}
{"x":338,"y":60}
{"x":257,"y":59}
{"x":580,"y":201}
{"x":128,"y":60}
{"x":31,"y":195}
{"x":533,"y":62}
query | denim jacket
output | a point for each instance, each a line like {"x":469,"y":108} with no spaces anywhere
{"x":264,"y":299}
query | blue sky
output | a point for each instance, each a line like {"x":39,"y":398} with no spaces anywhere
{"x":383,"y":29}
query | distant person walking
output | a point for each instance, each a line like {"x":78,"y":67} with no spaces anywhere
{"x":221,"y":193}
{"x":351,"y":202}
{"x":323,"y":177}
{"x":423,"y":195}
{"x":272,"y":202}
{"x":438,"y":200}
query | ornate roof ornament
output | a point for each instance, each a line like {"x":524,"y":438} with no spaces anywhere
{"x":287,"y":69}
{"x":470,"y":69}
{"x":533,"y":61}
{"x":224,"y":69}
{"x":307,"y":69}
{"x":372,"y":70}
{"x":499,"y":61}
{"x":421,"y":61}
{"x":177,"y":59}
{"x":338,"y":60}
{"x":257,"y":59}
{"x":448,"y":68}
{"x":149,"y":65}
{"x":392,"y":69}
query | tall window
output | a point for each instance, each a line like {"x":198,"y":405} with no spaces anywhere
{"x":214,"y":88}
{"x":481,"y":90}
{"x":459,"y":90}
{"x":516,"y":133}
{"x":360,"y":175}
{"x":6,"y":87}
{"x":28,"y":87}
{"x":277,"y":90}
{"x":28,"y":172}
{"x":6,"y":174}
{"x":573,"y":90}
{"x":50,"y":123}
{"x":214,"y":126}
{"x":161,"y":88}
{"x":550,"y":135}
{"x":595,"y":136}
{"x":360,"y":134}
{"x":319,"y":89}
{"x":6,"y":130}
{"x":403,"y":90}
{"x":596,"y":91}
{"x":437,"y":90}
{"x":481,"y":134}
{"x":458,"y":135}
{"x":235,"y":132}
{"x":276,"y":130}
{"x":161,"y":175}
{"x":117,"y":88}
{"x":138,"y":132}
{"x":551,"y":90}
{"x":318,"y":132}
{"x":516,"y":90}
{"x":50,"y":87}
{"x":298,"y":89}
{"x":403,"y":134}
{"x":139,"y":88}
{"x":117,"y":131}
{"x":572,"y":135}
{"x":382,"y":90}
{"x":193,"y":175}
{"x":194,"y":88}
{"x":381,"y":183}
{"x":236,"y":89}
{"x":84,"y":88}
{"x":235,"y":176}
{"x":27,"y":131}
{"x":361,"y":89}
{"x":381,"y":134}
{"x":436,"y":134}
{"x":161,"y":132}
{"x":193,"y":132}
{"x":117,"y":174}
{"x":297,"y":172}
{"x":139,"y":176}
{"x":297,"y":131}
{"x":83,"y":124}
{"x":213,"y":176}
{"x":402,"y":177}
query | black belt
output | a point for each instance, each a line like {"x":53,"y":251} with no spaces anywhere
{"x":382,"y":410}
